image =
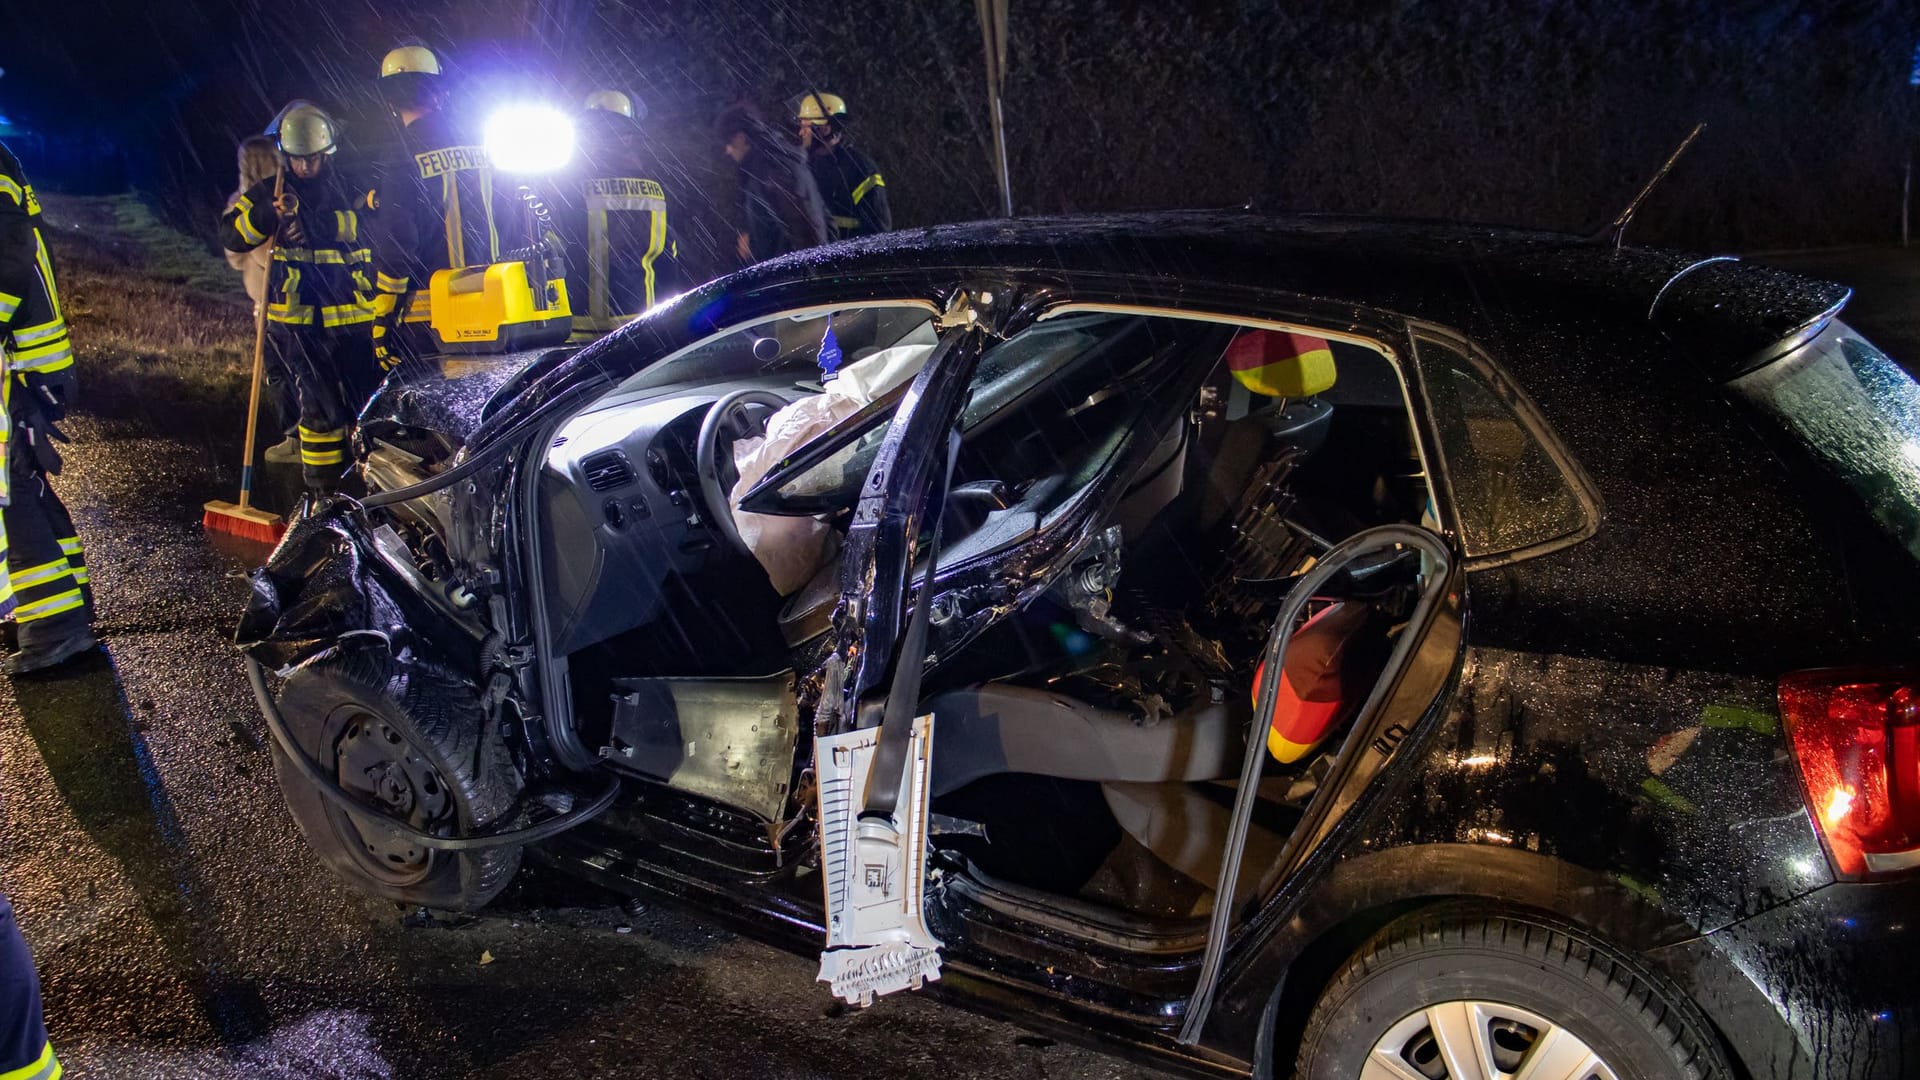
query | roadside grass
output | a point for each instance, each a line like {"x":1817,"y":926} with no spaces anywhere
{"x":162,"y":329}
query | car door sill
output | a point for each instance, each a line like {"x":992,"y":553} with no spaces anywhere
{"x":1079,"y":918}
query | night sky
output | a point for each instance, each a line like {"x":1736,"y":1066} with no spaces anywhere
{"x":1546,"y":114}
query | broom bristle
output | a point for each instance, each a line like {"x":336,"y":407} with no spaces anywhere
{"x":250,"y":523}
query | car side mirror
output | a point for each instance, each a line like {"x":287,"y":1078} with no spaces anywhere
{"x":992,"y":493}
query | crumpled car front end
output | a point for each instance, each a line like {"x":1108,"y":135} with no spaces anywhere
{"x":336,"y":578}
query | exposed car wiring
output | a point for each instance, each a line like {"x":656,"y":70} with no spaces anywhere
{"x":507,"y":440}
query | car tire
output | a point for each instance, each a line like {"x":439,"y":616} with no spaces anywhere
{"x":425,"y":732}
{"x":1495,"y":988}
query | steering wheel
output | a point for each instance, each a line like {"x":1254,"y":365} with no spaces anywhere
{"x":728,"y":420}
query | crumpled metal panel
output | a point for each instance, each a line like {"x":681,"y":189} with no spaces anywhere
{"x":454,"y":399}
{"x":324,"y":583}
{"x":730,"y":740}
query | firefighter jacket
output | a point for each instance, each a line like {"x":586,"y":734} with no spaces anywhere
{"x":320,"y":280}
{"x":613,"y":217}
{"x":779,"y":201}
{"x":854,"y":191}
{"x":435,"y":205}
{"x":25,"y":1053}
{"x":33,"y":331}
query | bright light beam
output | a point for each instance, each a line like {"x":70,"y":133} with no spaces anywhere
{"x":529,"y":139}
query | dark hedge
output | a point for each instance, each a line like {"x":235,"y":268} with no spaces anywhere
{"x":1547,"y":114}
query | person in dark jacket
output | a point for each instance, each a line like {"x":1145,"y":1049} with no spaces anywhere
{"x":435,"y":204}
{"x":850,"y":183}
{"x":318,"y":286}
{"x":613,"y":214}
{"x":780,"y":206}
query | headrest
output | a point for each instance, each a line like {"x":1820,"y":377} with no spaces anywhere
{"x":1311,"y":696}
{"x":1280,"y":363}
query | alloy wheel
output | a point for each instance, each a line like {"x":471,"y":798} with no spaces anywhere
{"x":1481,"y":1040}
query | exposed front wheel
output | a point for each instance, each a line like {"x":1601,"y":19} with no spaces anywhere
{"x":1455,"y":994}
{"x":416,"y":746}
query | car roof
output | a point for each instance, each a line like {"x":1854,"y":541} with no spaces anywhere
{"x":1724,"y":310}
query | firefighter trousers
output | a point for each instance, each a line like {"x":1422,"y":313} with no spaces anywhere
{"x":321,"y":362}
{"x":280,"y":394}
{"x":47,"y":567}
{"x":25,"y":1053}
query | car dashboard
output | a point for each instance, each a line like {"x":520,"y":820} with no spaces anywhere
{"x":620,"y":508}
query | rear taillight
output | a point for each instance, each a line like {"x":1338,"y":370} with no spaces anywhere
{"x":1856,"y":736}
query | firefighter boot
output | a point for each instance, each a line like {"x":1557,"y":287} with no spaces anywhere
{"x":284,"y":452}
{"x":39,"y":655}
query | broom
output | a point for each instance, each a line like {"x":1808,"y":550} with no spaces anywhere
{"x":242,"y":519}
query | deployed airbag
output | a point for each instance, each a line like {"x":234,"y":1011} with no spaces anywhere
{"x":791,"y":549}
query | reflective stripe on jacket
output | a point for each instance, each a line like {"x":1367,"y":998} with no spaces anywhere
{"x":32,"y":325}
{"x":327,"y":281}
{"x":854,"y":191}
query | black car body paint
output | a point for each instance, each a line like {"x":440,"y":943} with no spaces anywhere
{"x":1608,"y":748}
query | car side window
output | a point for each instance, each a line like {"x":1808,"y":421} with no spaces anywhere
{"x":1510,"y":491}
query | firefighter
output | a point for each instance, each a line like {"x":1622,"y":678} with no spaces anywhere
{"x":25,"y":1053}
{"x":318,"y":287}
{"x":780,"y":207}
{"x":259,"y":159}
{"x":46,"y":590}
{"x":850,"y":183}
{"x":434,"y":204}
{"x":621,"y":252}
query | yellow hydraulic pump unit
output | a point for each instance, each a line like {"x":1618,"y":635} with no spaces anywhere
{"x":517,"y":303}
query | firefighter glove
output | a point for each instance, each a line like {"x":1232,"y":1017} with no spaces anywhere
{"x":52,"y":391}
{"x":383,"y":353}
{"x":287,"y":206}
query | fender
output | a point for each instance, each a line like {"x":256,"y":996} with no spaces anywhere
{"x":328,"y":583}
{"x":1363,"y":893}
{"x":1508,"y":803}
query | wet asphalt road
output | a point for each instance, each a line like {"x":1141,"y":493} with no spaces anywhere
{"x":183,"y":930}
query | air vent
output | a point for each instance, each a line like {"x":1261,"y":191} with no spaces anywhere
{"x":607,"y":470}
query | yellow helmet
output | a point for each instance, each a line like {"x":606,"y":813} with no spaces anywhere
{"x":818,"y":108}
{"x":409,"y":60}
{"x":612,"y":101}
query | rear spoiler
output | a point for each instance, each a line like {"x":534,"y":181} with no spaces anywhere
{"x":1734,"y":316}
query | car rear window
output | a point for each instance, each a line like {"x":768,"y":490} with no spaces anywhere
{"x":1858,"y":413}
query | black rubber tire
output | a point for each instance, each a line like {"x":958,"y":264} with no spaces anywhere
{"x":1641,"y":1025}
{"x":444,"y":722}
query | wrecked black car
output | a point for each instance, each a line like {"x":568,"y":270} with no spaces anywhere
{"x":1374,"y":649}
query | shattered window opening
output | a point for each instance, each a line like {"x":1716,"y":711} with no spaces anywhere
{"x":1510,"y":491}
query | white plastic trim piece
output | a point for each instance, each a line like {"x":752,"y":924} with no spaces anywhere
{"x":874,"y":872}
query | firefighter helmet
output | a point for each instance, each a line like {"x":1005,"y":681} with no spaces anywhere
{"x":820,"y":109}
{"x":303,"y":129}
{"x":612,"y":101}
{"x":409,"y":60}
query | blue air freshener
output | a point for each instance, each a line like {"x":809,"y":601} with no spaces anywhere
{"x":829,"y":355}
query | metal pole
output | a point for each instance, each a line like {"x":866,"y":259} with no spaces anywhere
{"x":993,"y":37}
{"x":1000,"y":156}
